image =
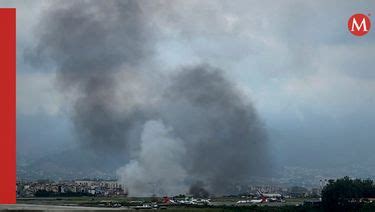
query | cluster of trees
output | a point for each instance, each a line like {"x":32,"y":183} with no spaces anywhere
{"x":44,"y":193}
{"x":347,"y":193}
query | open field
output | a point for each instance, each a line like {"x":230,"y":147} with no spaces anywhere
{"x":130,"y":203}
{"x":34,"y":207}
{"x":38,"y":207}
{"x":217,"y":204}
{"x":101,"y":201}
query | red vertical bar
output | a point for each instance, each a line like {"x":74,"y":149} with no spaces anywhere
{"x":8,"y":106}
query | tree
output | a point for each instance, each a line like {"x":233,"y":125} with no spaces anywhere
{"x":346,"y":192}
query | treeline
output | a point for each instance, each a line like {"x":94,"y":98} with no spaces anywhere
{"x":347,"y":194}
{"x":44,"y":193}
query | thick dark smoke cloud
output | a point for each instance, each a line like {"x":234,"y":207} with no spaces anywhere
{"x":209,"y":133}
{"x":91,"y":43}
{"x":225,"y":141}
{"x":198,"y":191}
{"x":192,"y":126}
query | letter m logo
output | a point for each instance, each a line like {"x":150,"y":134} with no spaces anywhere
{"x":359,"y":24}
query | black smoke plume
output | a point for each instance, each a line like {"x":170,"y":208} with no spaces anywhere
{"x":198,"y":191}
{"x":193,"y":125}
{"x":93,"y":44}
{"x":225,"y":140}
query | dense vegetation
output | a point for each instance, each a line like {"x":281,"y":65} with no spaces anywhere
{"x":347,"y":194}
{"x":44,"y":193}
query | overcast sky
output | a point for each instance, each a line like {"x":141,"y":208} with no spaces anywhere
{"x":311,"y":81}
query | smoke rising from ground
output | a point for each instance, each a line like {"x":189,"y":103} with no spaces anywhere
{"x":159,"y":167}
{"x":190,"y":126}
{"x":198,"y":191}
{"x":224,"y":138}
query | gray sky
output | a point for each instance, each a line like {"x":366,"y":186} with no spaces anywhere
{"x":312,"y":82}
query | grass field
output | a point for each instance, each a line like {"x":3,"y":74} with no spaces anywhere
{"x":133,"y":201}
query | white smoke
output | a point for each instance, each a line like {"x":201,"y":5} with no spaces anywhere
{"x":158,"y":168}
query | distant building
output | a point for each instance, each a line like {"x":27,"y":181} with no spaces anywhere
{"x":89,"y":187}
